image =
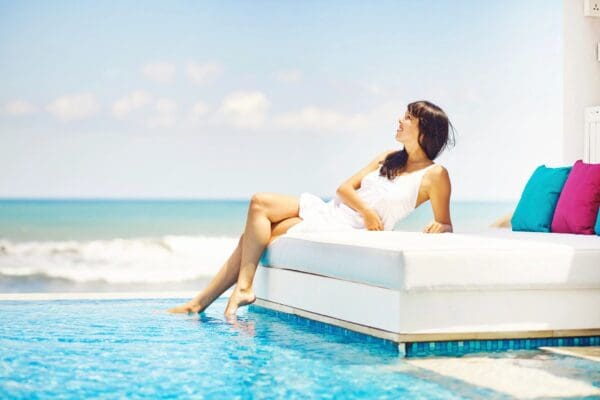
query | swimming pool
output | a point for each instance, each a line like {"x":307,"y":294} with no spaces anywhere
{"x":132,"y":348}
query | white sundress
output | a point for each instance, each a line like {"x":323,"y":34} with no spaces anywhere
{"x":392,"y":200}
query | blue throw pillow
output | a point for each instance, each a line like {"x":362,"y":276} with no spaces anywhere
{"x":597,"y":228}
{"x":538,"y":201}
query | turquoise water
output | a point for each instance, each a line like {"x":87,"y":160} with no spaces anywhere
{"x":132,"y":349}
{"x":108,"y":245}
{"x":27,"y":220}
{"x":43,"y":220}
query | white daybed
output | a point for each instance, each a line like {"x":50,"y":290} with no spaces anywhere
{"x":417,"y":287}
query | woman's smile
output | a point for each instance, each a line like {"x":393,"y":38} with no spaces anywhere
{"x":399,"y":131}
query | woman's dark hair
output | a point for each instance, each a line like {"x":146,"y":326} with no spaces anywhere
{"x":433,"y":136}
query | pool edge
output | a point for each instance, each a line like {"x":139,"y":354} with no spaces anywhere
{"x":449,"y":344}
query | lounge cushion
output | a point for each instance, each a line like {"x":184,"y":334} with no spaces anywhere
{"x":577,"y":206}
{"x":537,"y":203}
{"x":493,"y":259}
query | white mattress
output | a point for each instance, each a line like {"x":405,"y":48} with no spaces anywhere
{"x":492,"y":259}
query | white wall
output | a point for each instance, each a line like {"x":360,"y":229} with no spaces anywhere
{"x":581,"y":75}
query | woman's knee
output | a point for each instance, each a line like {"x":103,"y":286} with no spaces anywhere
{"x":256,"y":198}
{"x":259,"y":201}
{"x":274,"y":205}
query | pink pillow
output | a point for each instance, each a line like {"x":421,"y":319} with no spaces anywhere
{"x":579,"y":199}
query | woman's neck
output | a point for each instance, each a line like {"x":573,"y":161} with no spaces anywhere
{"x":416,"y":156}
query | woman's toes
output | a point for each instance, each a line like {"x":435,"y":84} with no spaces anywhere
{"x":185,"y":308}
{"x":239,"y":298}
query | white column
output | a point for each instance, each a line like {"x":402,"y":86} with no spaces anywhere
{"x":581,"y":75}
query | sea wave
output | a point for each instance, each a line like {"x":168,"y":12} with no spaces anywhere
{"x":139,"y":260}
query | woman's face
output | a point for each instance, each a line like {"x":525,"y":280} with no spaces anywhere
{"x":408,"y":129}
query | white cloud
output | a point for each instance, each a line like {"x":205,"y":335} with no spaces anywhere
{"x":161,"y":72}
{"x":166,"y":106}
{"x":131,"y":102}
{"x":19,"y":107}
{"x":201,"y":74}
{"x":244,"y":109}
{"x":74,"y":107}
{"x":199,"y":110}
{"x":320,"y":120}
{"x":374,"y":88}
{"x":310,"y":118}
{"x":166,"y":114}
{"x":289,"y":76}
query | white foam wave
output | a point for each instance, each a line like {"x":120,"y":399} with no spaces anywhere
{"x":143,"y":260}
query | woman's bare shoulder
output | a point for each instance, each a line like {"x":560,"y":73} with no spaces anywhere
{"x":436,"y":178}
{"x":437,"y":172}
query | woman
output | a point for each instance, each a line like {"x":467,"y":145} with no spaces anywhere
{"x":375,"y":198}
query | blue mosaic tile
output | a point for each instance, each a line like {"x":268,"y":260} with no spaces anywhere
{"x":457,"y":348}
{"x":437,"y":348}
{"x":323,"y":327}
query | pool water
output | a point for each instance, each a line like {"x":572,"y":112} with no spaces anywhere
{"x":134,"y":349}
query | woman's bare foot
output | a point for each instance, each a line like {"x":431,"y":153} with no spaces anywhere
{"x":189,"y":307}
{"x":238,"y":299}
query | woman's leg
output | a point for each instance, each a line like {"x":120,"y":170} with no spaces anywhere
{"x":229,"y":272}
{"x":264,"y":210}
{"x":222,"y":281}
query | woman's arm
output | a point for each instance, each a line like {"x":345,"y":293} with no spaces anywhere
{"x":503,"y":222}
{"x":439,"y":196}
{"x":347,"y":190}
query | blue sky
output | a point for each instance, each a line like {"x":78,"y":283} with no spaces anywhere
{"x":224,"y":99}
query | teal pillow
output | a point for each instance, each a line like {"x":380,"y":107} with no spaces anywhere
{"x":538,"y":201}
{"x":597,"y":228}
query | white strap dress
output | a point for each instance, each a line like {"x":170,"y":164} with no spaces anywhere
{"x":393,"y":200}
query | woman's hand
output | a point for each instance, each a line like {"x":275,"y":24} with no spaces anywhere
{"x":436,"y":227}
{"x":503,"y":222}
{"x":372,"y":220}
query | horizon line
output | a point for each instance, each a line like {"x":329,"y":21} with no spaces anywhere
{"x":68,"y":198}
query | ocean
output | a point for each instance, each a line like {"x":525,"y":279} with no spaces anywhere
{"x":49,"y":245}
